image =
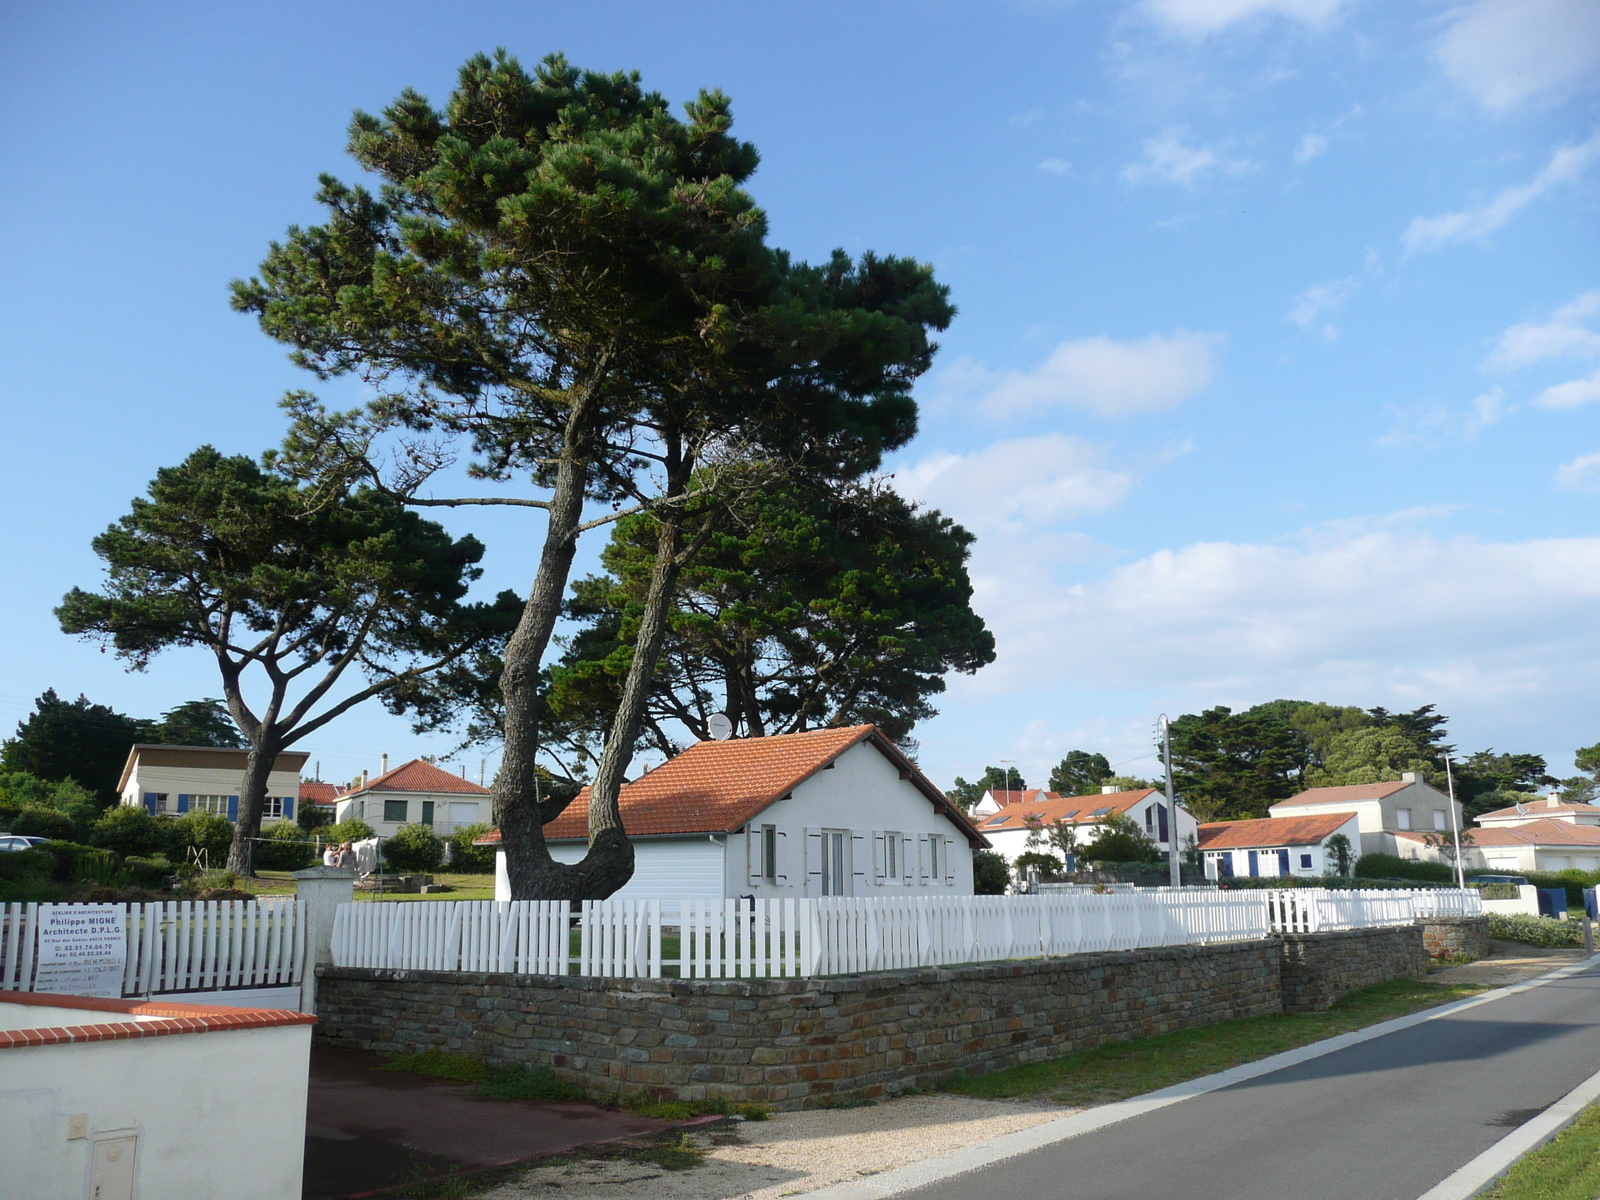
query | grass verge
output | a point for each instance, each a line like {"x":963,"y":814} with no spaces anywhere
{"x":1115,"y":1072}
{"x":1567,"y":1169}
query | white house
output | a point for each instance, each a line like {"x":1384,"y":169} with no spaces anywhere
{"x":1541,"y":834}
{"x":415,"y":793}
{"x":1008,"y":827}
{"x":1275,"y":847}
{"x":829,"y":812}
{"x":172,"y":780}
{"x":1549,"y":807}
{"x":1405,"y":805}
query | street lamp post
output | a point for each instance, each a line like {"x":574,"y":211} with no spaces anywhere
{"x":1455,"y":825}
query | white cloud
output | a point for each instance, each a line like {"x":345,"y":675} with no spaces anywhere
{"x":1096,"y":375}
{"x":1345,"y":611}
{"x":1429,"y":425}
{"x":1507,"y":52}
{"x":1311,"y":145}
{"x":1325,"y":297}
{"x":1056,"y":166}
{"x":1565,"y":334}
{"x":1565,"y":165}
{"x":1582,"y":474}
{"x":1168,"y":160}
{"x":1200,"y":17}
{"x":1570,"y":394}
{"x":1018,"y":485}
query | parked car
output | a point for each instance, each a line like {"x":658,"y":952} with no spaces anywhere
{"x":18,"y":841}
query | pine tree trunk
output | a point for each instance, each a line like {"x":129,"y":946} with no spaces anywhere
{"x":252,"y":795}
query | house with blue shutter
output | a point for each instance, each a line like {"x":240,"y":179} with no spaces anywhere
{"x":170,"y":781}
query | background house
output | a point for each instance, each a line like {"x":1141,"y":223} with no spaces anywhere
{"x":415,"y":793}
{"x":1006,"y":827}
{"x":1542,"y":834}
{"x":172,"y":780}
{"x":1277,"y":846}
{"x":830,"y":812}
{"x":1406,"y":805}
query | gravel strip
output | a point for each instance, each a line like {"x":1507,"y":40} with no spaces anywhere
{"x":794,"y":1153}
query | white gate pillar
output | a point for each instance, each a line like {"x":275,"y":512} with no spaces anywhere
{"x":319,"y":891}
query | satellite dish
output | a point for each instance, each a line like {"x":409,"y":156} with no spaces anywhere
{"x":721,"y":728}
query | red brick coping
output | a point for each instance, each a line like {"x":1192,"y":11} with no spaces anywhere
{"x":176,"y":1018}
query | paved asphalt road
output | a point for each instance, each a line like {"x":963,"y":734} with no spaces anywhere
{"x":1383,"y":1120}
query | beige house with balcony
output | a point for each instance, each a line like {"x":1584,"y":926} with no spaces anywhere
{"x":169,"y":781}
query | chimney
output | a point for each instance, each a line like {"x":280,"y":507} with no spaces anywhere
{"x":1109,"y":789}
{"x":383,"y":769}
{"x":1410,"y":777}
{"x":1553,"y":800}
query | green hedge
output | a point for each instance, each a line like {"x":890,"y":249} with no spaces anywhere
{"x":413,"y":848}
{"x":1388,"y":866}
{"x":284,"y":846}
{"x":1535,"y":931}
{"x":467,"y":858}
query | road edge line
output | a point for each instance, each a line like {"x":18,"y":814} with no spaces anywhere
{"x":1024,"y":1141}
{"x":1483,"y":1172}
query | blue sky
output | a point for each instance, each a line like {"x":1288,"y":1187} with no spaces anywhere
{"x":1276,"y":372}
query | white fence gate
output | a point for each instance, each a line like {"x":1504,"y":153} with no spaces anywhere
{"x":178,"y":946}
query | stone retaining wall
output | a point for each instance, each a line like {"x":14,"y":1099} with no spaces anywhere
{"x":1455,"y":937}
{"x":793,"y":1043}
{"x":1318,"y":968}
{"x":790,"y":1043}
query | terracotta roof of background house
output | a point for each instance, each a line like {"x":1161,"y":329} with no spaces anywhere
{"x":1543,"y":832}
{"x":419,"y":776}
{"x":1271,"y":831}
{"x":1346,"y":794}
{"x":1054,"y":807}
{"x":314,"y":791}
{"x":717,"y":787}
{"x":1536,"y":807}
{"x":1005,"y":798}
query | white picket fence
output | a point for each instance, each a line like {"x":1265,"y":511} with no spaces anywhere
{"x":718,"y":939}
{"x":178,"y":945}
{"x":1316,"y":910}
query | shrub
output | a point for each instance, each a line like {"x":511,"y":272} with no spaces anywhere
{"x":284,"y":846}
{"x":17,"y":866}
{"x":19,"y":789}
{"x":1535,"y":931}
{"x":84,"y":864}
{"x":1388,"y":866}
{"x":349,"y":830}
{"x":989,"y":873}
{"x":413,"y":848}
{"x":35,"y":820}
{"x":208,"y":834}
{"x":467,"y":858}
{"x":1046,"y":864}
{"x":150,"y":873}
{"x":129,"y":829}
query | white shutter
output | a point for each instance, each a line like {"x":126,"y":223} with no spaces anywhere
{"x":858,"y":862}
{"x":752,"y":853}
{"x":879,"y":869}
{"x":813,"y":881}
{"x":922,"y":858}
{"x":782,"y":855}
{"x":949,"y":867}
{"x":908,"y":860}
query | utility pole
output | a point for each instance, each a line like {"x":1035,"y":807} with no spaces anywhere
{"x":1172,"y":807}
{"x":1455,"y":825}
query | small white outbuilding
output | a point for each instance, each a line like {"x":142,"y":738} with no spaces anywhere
{"x":830,"y":812}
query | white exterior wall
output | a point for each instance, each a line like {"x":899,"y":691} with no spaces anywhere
{"x":1420,"y":799}
{"x":368,"y":807}
{"x":1013,"y":842}
{"x":679,"y":868}
{"x":199,"y":781}
{"x":220,"y":1115}
{"x":1322,"y":861}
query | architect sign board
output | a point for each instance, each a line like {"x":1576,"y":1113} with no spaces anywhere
{"x":83,"y":949}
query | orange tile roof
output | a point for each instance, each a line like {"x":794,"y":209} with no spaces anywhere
{"x":717,"y":787}
{"x":1271,"y":831}
{"x":1346,"y":794}
{"x":1537,"y":808}
{"x":419,"y":776}
{"x":1005,"y":798}
{"x":1543,"y":832}
{"x":314,"y":791}
{"x":1054,"y":808}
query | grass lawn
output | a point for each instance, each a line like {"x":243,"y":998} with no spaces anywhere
{"x":1124,"y":1069}
{"x":1567,"y":1169}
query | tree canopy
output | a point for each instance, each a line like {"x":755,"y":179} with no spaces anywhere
{"x":294,"y":587}
{"x":1001,"y":779}
{"x":1080,"y":773}
{"x":573,"y":282}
